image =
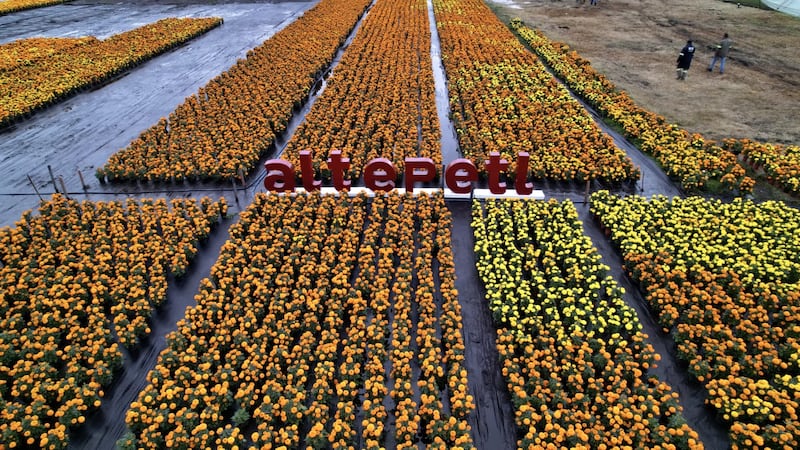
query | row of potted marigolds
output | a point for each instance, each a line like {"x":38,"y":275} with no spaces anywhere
{"x":221,"y":132}
{"x":322,"y":325}
{"x":44,"y":71}
{"x":79,"y":280}
{"x":574,"y":356}
{"x":724,"y":280}
{"x":502,"y":99}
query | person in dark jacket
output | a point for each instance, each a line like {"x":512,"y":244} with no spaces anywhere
{"x":685,"y":59}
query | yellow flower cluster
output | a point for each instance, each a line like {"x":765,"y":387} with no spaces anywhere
{"x":68,"y":68}
{"x":502,"y":99}
{"x":574,"y":357}
{"x":688,"y":157}
{"x":25,"y":52}
{"x":780,"y":163}
{"x":724,"y":279}
{"x":10,"y":6}
{"x":379,"y":103}
{"x":308,"y":332}
{"x":233,"y":120}
{"x":63,"y":274}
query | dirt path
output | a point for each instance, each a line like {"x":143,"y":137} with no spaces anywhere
{"x":636,"y":42}
{"x":702,"y":418}
{"x":493,"y":420}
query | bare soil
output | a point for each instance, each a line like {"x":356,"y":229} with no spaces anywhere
{"x":635,"y":44}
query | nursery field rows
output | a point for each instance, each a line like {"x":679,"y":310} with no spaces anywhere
{"x":213,"y":314}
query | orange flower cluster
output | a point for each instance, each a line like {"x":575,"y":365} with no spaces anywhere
{"x":724,"y":279}
{"x":10,"y":6}
{"x":63,"y":273}
{"x":233,"y":120}
{"x":688,"y":157}
{"x":574,"y":356}
{"x":502,"y":99}
{"x":379,"y":103}
{"x":70,"y":68}
{"x":323,"y":317}
{"x":25,"y":52}
{"x":780,"y":163}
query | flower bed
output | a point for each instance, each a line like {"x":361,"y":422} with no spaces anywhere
{"x":780,"y":163}
{"x":574,"y":357}
{"x":503,"y":99}
{"x":233,"y":120}
{"x":25,"y":52}
{"x":724,"y":280}
{"x":688,"y":157}
{"x":11,"y":6}
{"x":379,"y":103}
{"x":66,"y":273}
{"x":327,"y":322}
{"x":44,"y":81}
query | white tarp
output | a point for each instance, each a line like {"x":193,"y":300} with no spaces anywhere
{"x":786,"y":6}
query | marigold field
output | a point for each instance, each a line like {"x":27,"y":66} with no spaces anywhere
{"x":333,"y":321}
{"x":38,"y":72}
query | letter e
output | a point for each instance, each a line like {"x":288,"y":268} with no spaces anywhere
{"x":460,"y":175}
{"x":379,"y":175}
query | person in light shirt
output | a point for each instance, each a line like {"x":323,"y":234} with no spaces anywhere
{"x":721,"y":53}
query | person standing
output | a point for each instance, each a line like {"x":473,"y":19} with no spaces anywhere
{"x":685,"y":59}
{"x":721,"y":53}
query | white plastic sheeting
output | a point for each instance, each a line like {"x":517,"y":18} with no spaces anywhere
{"x":786,"y":6}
